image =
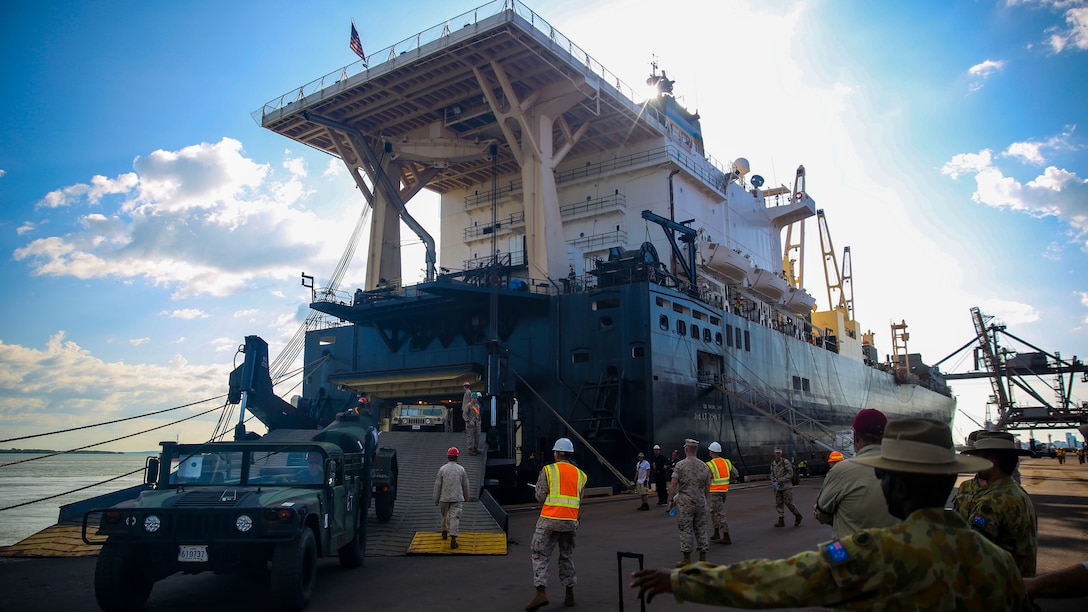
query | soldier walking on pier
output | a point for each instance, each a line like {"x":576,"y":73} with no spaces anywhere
{"x":782,"y":480}
{"x":450,"y":493}
{"x":661,"y":474}
{"x":689,"y":491}
{"x":559,"y":488}
{"x":721,"y":473}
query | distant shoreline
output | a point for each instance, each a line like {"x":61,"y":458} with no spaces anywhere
{"x":40,"y":451}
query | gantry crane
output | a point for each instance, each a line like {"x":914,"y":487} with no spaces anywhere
{"x":1009,"y":369}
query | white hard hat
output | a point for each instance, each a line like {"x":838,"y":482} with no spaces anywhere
{"x":563,"y":445}
{"x":714,"y":447}
{"x":657,"y":447}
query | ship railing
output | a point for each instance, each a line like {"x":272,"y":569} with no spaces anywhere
{"x":385,"y":60}
{"x":501,"y":226}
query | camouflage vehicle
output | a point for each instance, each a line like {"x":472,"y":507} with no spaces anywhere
{"x":417,"y":417}
{"x":269,"y":506}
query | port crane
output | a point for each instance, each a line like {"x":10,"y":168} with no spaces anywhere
{"x":1010,"y":370}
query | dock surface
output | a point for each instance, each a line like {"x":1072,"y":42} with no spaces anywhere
{"x":504,"y":582}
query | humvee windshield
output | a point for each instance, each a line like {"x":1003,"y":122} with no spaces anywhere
{"x":211,"y":466}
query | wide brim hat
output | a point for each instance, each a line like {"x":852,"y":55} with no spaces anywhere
{"x":995,"y":441}
{"x":921,"y":446}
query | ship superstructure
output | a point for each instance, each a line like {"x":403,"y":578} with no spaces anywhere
{"x":600,"y":275}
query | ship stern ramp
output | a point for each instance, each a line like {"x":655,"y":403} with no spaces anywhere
{"x":416,"y":524}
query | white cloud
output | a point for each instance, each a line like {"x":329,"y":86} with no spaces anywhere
{"x":186,"y":313}
{"x":99,"y":186}
{"x":1073,"y":35}
{"x":2,"y":172}
{"x":333,"y":168}
{"x":25,"y":228}
{"x":202,"y":220}
{"x":1010,"y":312}
{"x":983,"y":71}
{"x":139,"y":341}
{"x":61,"y":386}
{"x":1032,"y":151}
{"x":1056,"y":192}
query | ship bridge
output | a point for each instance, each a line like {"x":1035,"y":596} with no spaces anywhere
{"x":495,"y":91}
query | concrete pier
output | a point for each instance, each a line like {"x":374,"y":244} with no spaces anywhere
{"x":610,"y":524}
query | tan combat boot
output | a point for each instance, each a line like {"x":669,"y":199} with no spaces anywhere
{"x":715,"y":537}
{"x":686,"y":561}
{"x":568,"y":601}
{"x":725,"y":539}
{"x":781,"y":522}
{"x":539,"y":601}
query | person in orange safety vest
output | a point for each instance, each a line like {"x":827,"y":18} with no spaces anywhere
{"x":721,"y":473}
{"x":559,"y":488}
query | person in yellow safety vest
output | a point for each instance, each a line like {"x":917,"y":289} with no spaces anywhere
{"x":834,"y":458}
{"x":721,"y":473}
{"x":559,"y":488}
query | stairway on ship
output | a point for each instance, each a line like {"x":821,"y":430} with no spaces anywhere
{"x":419,"y":456}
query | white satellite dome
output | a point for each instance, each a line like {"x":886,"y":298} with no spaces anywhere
{"x":740,"y":165}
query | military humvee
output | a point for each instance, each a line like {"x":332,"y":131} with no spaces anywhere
{"x":263,"y":505}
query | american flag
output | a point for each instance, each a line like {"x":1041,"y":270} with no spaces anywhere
{"x":356,"y":44}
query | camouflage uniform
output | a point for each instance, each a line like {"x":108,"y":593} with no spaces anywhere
{"x":930,"y":561}
{"x":1003,"y":512}
{"x":782,"y":471}
{"x":964,"y":494}
{"x":471,"y":412}
{"x":548,"y":533}
{"x":450,"y":492}
{"x":692,"y":485}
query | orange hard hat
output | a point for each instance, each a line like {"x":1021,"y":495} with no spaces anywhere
{"x":834,"y":457}
{"x":453,"y":452}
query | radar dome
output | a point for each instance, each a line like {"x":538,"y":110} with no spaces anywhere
{"x":741,"y":166}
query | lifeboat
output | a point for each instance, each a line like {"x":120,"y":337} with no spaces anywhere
{"x":727,"y":262}
{"x":769,"y":285}
{"x":798,"y":301}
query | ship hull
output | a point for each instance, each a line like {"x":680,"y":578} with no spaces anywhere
{"x":618,"y":369}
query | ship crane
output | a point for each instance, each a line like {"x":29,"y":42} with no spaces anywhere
{"x":840,"y":282}
{"x":1009,"y":369}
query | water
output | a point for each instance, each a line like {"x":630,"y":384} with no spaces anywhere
{"x":44,"y":477}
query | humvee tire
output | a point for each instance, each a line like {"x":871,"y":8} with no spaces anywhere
{"x":352,"y":554}
{"x":294,"y":571}
{"x":119,"y":581}
{"x":383,"y":504}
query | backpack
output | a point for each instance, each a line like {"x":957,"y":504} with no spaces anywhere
{"x":796,"y":478}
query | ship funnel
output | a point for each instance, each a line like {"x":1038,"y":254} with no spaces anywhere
{"x":740,"y":165}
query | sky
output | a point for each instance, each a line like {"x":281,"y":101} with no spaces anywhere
{"x":148,"y":224}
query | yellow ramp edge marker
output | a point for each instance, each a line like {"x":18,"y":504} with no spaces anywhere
{"x":61,"y":540}
{"x":431,"y":543}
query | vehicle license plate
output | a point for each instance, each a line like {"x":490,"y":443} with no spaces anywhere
{"x":193,"y":554}
{"x":415,"y":426}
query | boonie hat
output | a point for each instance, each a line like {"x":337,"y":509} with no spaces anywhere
{"x":869,"y":421}
{"x":691,"y":442}
{"x":921,"y":446}
{"x":971,"y":437}
{"x":778,"y":450}
{"x":641,"y":455}
{"x":993,"y":441}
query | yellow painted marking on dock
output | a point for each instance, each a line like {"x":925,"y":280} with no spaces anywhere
{"x":61,"y":540}
{"x":431,"y":543}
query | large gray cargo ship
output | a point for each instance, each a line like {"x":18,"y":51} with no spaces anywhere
{"x":600,"y":275}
